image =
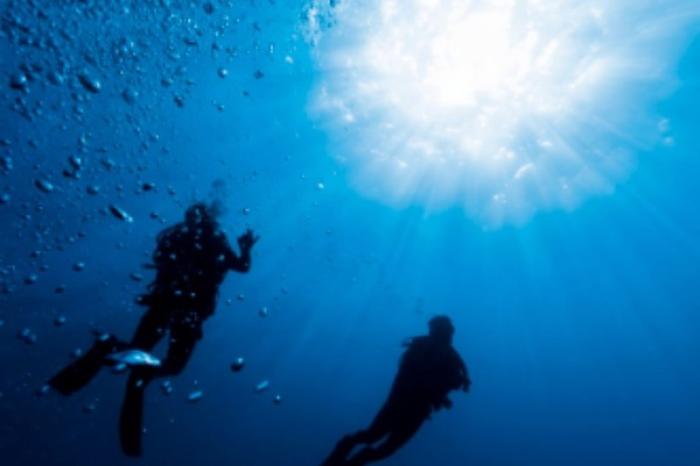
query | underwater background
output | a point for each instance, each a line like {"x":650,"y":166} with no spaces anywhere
{"x":580,"y":327}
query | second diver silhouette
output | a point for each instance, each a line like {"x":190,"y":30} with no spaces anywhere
{"x":191,"y":261}
{"x":430,"y":368}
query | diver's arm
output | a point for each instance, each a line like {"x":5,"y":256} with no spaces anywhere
{"x":466,"y":381}
{"x":239,"y":263}
{"x":442,"y":403}
{"x":461,"y":373}
{"x":245,"y":243}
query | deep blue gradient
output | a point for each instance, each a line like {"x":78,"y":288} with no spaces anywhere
{"x":581,"y":329}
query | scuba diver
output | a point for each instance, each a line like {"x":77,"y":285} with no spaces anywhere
{"x":430,"y":368}
{"x":191,"y":261}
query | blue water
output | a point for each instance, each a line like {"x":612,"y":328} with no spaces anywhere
{"x":581,"y":329}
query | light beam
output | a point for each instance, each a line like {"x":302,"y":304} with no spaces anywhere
{"x":505,"y":107}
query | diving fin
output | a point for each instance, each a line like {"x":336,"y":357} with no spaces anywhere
{"x":341,"y":451}
{"x":81,"y":371}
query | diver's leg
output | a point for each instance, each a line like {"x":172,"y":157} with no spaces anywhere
{"x":149,"y":332}
{"x":183,"y":339}
{"x":131,"y":415}
{"x":81,"y":371}
{"x":378,"y":429}
{"x":182,"y":343}
{"x":341,"y":451}
{"x":151,"y":328}
{"x":396,"y":440}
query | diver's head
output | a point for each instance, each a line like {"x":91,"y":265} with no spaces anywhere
{"x":198,"y":213}
{"x":441,"y":328}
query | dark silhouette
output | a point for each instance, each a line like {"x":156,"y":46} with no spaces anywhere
{"x":191,"y":260}
{"x":430,"y":368}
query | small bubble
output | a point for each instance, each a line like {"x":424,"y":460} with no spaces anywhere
{"x":148,"y":187}
{"x":108,"y":163}
{"x":18,"y":81}
{"x":27,"y":336}
{"x":120,"y":368}
{"x":55,"y":78}
{"x":91,"y":84}
{"x":89,"y":408}
{"x":120,"y":214}
{"x":166,"y":387}
{"x":30,"y":279}
{"x":75,"y":162}
{"x":262,"y":386}
{"x":238,"y":364}
{"x":130,"y":96}
{"x":44,"y":186}
{"x":6,"y":164}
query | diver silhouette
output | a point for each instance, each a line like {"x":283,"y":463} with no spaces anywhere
{"x":191,"y":261}
{"x":430,"y":368}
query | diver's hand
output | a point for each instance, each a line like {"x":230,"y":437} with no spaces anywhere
{"x":247,"y":240}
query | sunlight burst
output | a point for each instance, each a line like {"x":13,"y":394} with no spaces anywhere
{"x":504,"y":107}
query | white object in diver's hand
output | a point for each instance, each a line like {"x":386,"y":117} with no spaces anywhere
{"x":133,"y":358}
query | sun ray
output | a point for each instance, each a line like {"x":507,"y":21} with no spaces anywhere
{"x":505,"y":107}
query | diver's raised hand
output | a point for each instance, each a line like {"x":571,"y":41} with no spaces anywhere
{"x":247,"y":240}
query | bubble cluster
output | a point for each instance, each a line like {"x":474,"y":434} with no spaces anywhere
{"x":88,"y":91}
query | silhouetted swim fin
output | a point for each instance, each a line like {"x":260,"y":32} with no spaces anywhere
{"x":340,"y":453}
{"x":81,"y":371}
{"x":131,"y":419}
